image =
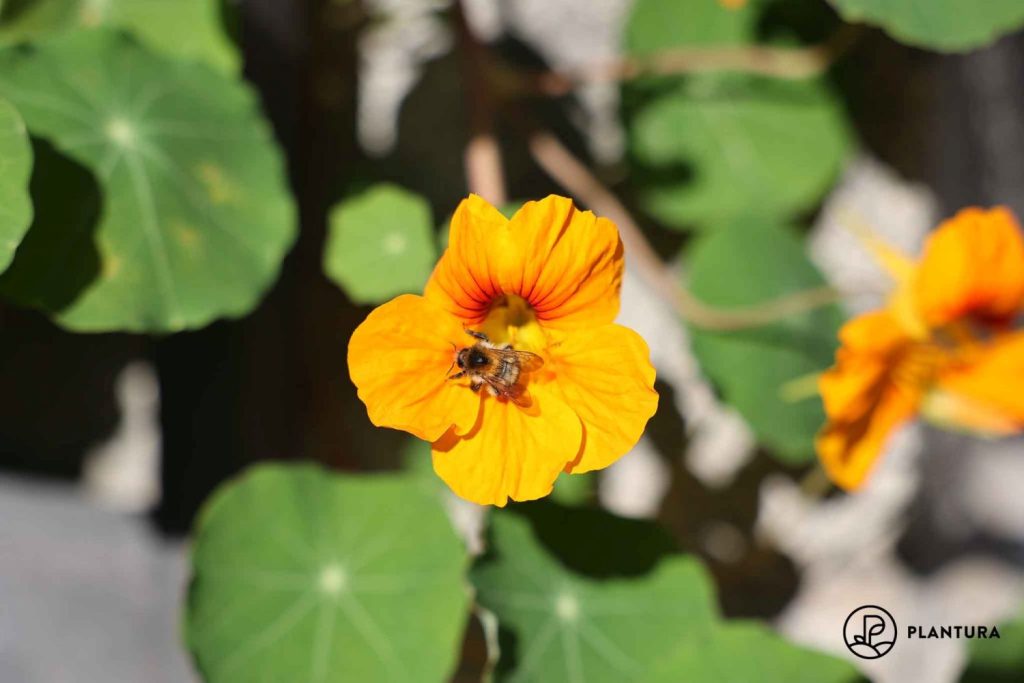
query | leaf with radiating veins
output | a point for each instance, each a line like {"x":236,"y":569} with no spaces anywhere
{"x":196,"y":213}
{"x":304,"y":575}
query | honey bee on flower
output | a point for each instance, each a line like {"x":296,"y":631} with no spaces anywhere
{"x":567,"y":388}
{"x":945,"y":347}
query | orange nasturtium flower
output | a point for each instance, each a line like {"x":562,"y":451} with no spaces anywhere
{"x":547,"y":282}
{"x":945,"y":346}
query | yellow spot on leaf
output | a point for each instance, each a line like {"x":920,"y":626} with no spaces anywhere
{"x":219,"y":187}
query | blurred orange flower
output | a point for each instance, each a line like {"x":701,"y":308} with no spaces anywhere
{"x":944,"y":347}
{"x":545,"y":282}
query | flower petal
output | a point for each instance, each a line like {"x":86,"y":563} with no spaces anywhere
{"x":511,"y":452}
{"x":465,"y":280}
{"x":849,"y":450}
{"x":399,"y":359}
{"x":863,"y":402}
{"x":990,"y":387}
{"x":571,"y":264}
{"x":606,"y":377}
{"x":973,"y":264}
{"x":567,"y":264}
{"x":870,"y":348}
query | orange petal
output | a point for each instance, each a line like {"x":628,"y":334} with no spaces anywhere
{"x":990,"y":387}
{"x":571,"y":264}
{"x":567,"y":264}
{"x":399,"y":359}
{"x":870,"y":348}
{"x":849,"y":450}
{"x":466,"y":279}
{"x":862,"y":401}
{"x":973,"y":264}
{"x":511,"y":452}
{"x":606,"y":377}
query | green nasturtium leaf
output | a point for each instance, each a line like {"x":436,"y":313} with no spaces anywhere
{"x":997,"y":660}
{"x":745,"y":263}
{"x":745,"y":652}
{"x":196,"y":213}
{"x":946,"y":25}
{"x":711,"y":146}
{"x":15,"y":171}
{"x":303,"y":575}
{"x":381,"y":244}
{"x":581,"y":595}
{"x":566,"y":626}
{"x":190,"y":29}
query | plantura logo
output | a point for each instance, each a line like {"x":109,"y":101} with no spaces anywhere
{"x":869,"y":632}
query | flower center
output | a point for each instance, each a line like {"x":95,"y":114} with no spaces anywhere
{"x":511,"y":320}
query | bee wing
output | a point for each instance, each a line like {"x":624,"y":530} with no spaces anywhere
{"x":527,"y":362}
{"x":516,"y":393}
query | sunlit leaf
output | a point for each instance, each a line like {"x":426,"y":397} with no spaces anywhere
{"x":949,"y":25}
{"x":180,"y":28}
{"x":581,"y":595}
{"x":748,"y":653}
{"x":567,"y":626}
{"x":196,"y":215}
{"x":381,"y":244}
{"x":302,"y":575}
{"x":712,"y":146}
{"x":15,"y":170}
{"x":747,"y":262}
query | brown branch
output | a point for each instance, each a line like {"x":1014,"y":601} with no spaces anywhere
{"x":482,"y":157}
{"x":579,"y":182}
{"x":762,"y":60}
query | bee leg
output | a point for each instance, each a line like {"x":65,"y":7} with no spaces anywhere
{"x":477,"y":335}
{"x":457,"y":375}
{"x":475,"y":388}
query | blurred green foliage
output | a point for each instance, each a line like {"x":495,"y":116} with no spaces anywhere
{"x":997,"y":660}
{"x":16,"y":164}
{"x":748,"y":261}
{"x":178,"y":28}
{"x":953,"y":25}
{"x":711,"y":146}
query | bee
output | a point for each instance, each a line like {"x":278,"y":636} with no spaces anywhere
{"x":499,"y":368}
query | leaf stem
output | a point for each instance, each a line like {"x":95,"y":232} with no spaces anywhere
{"x":762,"y":60}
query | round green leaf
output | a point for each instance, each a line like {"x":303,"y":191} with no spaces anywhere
{"x":302,"y":575}
{"x":569,"y":627}
{"x":741,"y":265}
{"x":380,"y":244}
{"x":196,"y":215}
{"x":947,"y":25}
{"x":15,"y":171}
{"x":190,"y":29}
{"x":711,"y":155}
{"x":713,"y":146}
{"x":748,"y":653}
